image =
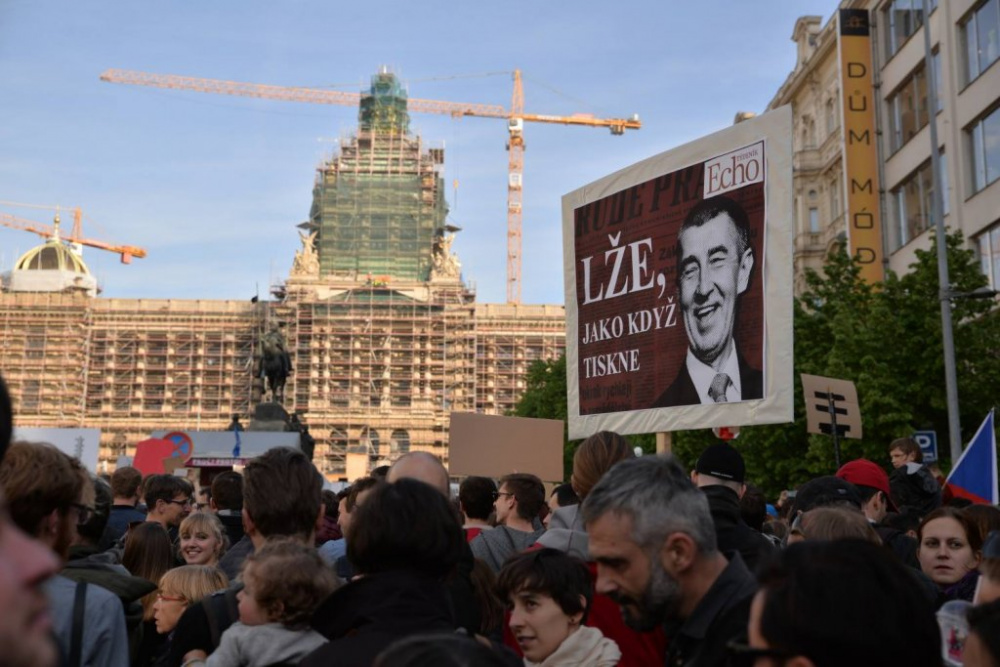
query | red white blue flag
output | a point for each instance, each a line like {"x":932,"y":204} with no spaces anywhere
{"x":975,"y":475}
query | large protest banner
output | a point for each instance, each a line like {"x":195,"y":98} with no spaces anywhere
{"x":678,"y":275}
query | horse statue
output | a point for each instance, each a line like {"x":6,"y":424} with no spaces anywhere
{"x":275,"y":363}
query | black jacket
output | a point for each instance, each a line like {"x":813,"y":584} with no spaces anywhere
{"x":901,"y":544}
{"x":682,"y":390}
{"x":233,"y":523}
{"x":732,"y":533}
{"x":363,"y":617}
{"x":913,"y":486}
{"x":719,"y":617}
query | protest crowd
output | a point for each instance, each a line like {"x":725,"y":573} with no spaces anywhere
{"x":634,"y":561}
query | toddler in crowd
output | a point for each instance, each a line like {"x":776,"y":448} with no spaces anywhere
{"x":284,"y":582}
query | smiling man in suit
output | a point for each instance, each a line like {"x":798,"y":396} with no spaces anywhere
{"x":715,"y":262}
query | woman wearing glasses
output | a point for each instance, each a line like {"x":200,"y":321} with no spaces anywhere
{"x":179,"y":589}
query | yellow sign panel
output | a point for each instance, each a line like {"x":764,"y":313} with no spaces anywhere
{"x":864,"y":225}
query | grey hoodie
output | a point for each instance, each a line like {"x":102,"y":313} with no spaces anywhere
{"x":261,"y":645}
{"x":566,"y":533}
{"x":493,"y":547}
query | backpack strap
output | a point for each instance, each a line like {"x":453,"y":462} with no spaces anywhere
{"x":222,"y":610}
{"x":213,"y":622}
{"x":76,"y":636}
{"x":232,"y":604}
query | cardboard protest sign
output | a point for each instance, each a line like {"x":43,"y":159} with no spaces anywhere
{"x":819,"y":392}
{"x":678,"y":275}
{"x":493,"y":446}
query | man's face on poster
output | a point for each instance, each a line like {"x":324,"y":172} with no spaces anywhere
{"x":713,"y":272}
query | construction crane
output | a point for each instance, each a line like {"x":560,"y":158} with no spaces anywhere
{"x":515,"y":116}
{"x":127,"y":252}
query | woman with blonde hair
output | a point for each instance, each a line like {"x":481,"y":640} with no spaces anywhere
{"x":202,"y":539}
{"x":179,"y":589}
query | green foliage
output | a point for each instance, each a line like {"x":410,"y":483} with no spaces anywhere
{"x":885,"y":338}
{"x":545,"y":398}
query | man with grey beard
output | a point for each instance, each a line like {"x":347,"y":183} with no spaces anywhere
{"x":653,"y":539}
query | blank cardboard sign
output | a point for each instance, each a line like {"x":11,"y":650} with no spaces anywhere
{"x":493,"y":446}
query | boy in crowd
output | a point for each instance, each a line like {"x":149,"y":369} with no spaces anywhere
{"x":913,"y":486}
{"x":284,"y":583}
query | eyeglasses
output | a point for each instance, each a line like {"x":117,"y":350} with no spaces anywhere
{"x":497,"y":494}
{"x":743,"y":655}
{"x":183,"y":503}
{"x":170,"y":598}
{"x":83,"y":513}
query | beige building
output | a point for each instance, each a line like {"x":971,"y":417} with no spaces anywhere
{"x":386,"y":338}
{"x":965,"y":39}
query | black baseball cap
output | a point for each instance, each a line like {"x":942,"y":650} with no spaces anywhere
{"x":722,"y":461}
{"x":824,"y":491}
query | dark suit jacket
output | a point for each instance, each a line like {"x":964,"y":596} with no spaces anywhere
{"x":682,"y":392}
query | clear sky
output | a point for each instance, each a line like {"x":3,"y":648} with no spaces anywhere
{"x":213,"y":186}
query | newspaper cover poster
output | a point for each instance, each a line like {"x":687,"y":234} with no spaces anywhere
{"x":670,"y":290}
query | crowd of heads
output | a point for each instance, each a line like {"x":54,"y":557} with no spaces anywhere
{"x":847,"y":569}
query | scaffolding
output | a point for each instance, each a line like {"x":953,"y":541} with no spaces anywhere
{"x":379,"y":205}
{"x":386,"y":338}
{"x":167,"y":364}
{"x":509,"y":338}
{"x":381,"y":367}
{"x":44,"y":342}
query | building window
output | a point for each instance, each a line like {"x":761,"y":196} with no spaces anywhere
{"x":989,"y":254}
{"x":808,"y":133}
{"x":832,"y":117}
{"x":908,"y":109}
{"x":901,"y":19}
{"x":984,"y":136}
{"x":945,"y":188}
{"x":981,"y":33}
{"x":835,"y":195}
{"x":814,"y":220}
{"x":912,"y":205}
{"x":936,"y":64}
{"x":399,"y":442}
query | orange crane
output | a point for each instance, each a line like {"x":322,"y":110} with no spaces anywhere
{"x":515,"y":126}
{"x":127,"y":252}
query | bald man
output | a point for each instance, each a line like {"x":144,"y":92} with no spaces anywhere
{"x":428,"y":469}
{"x":422,"y":467}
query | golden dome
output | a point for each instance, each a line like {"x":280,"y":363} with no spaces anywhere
{"x":53,"y":255}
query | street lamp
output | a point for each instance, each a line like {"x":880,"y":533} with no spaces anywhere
{"x":978,"y":293}
{"x":944,"y":282}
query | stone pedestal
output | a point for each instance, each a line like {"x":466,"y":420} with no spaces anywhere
{"x":269,"y":417}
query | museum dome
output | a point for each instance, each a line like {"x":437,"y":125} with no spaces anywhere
{"x":52,"y":266}
{"x":53,"y":255}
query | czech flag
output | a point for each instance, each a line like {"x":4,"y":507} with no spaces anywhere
{"x":975,"y":475}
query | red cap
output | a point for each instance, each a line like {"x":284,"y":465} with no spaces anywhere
{"x":862,"y":472}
